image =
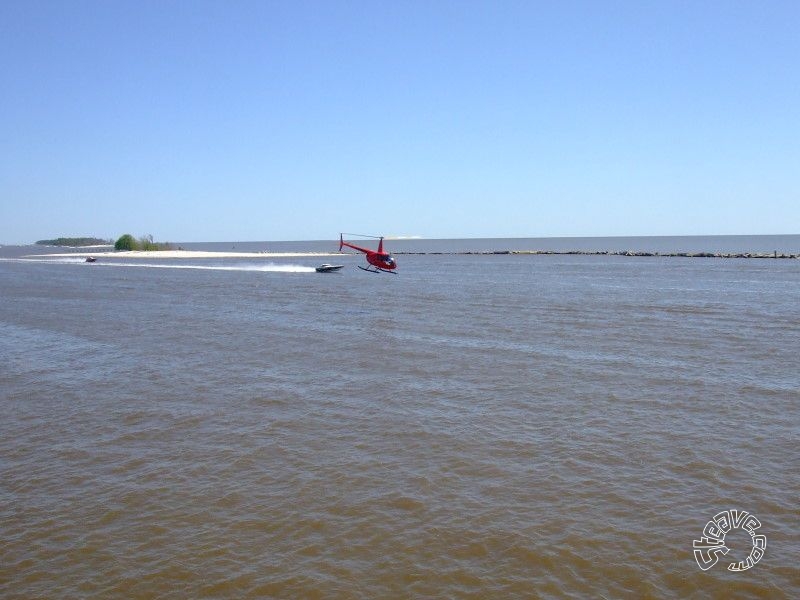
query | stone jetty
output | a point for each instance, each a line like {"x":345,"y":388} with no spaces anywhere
{"x":621,"y":253}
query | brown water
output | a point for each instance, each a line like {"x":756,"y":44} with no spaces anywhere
{"x":478,"y":426}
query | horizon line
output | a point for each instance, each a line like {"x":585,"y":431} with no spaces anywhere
{"x":414,"y":238}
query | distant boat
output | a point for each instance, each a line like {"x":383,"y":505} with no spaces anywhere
{"x":326,"y":268}
{"x":91,"y":259}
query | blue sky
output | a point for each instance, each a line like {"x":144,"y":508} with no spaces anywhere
{"x":224,"y":121}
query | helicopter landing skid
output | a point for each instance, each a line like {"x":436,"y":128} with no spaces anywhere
{"x":375,"y":270}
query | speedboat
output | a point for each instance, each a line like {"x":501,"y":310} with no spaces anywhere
{"x":91,"y":259}
{"x":326,"y":268}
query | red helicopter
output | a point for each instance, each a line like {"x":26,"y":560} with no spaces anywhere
{"x":381,"y":261}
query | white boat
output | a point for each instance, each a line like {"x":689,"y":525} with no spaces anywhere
{"x":326,"y":268}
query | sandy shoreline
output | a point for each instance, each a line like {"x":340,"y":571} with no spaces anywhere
{"x":184,"y":254}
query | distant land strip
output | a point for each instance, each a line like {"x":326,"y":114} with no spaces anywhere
{"x":217,"y":254}
{"x":623,"y":253}
{"x":75,"y":242}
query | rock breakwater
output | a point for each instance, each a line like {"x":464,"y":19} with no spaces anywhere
{"x":774,"y":255}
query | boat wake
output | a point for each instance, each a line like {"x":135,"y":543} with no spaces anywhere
{"x":263,"y":268}
{"x":268,"y":268}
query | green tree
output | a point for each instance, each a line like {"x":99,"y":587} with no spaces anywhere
{"x":126,"y":242}
{"x":146,"y":243}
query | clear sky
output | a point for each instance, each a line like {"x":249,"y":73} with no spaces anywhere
{"x":228,"y":121}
